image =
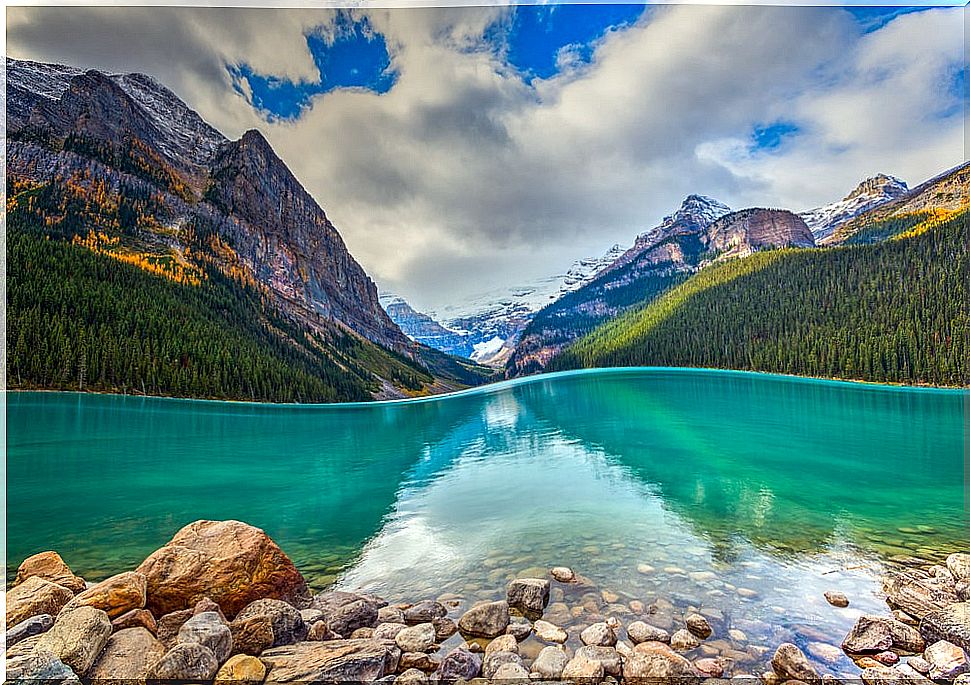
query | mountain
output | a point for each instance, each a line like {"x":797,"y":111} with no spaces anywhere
{"x":741,"y":234}
{"x":893,"y":311}
{"x":115,"y":175}
{"x":489,"y":324}
{"x":659,"y":258}
{"x":869,"y":194}
{"x":936,"y":198}
{"x":425,"y":330}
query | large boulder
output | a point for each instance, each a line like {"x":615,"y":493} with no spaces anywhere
{"x":116,"y":596}
{"x":168,"y":626}
{"x":528,"y":594}
{"x":186,"y":661}
{"x":127,"y":656}
{"x":345,"y":612}
{"x":77,"y":638}
{"x":230,"y":562}
{"x":35,"y":596}
{"x":288,"y":624}
{"x":489,"y":619}
{"x":208,"y":630}
{"x":49,"y":566}
{"x":38,"y":668}
{"x":919,"y":594}
{"x":333,"y":661}
{"x":946,"y":660}
{"x":951,"y":624}
{"x":873,"y":634}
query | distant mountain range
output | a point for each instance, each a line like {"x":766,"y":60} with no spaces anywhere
{"x":117,"y":167}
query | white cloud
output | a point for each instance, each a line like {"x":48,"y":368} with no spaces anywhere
{"x":462,"y":176}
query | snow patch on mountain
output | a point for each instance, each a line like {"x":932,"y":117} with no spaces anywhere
{"x":870,"y":193}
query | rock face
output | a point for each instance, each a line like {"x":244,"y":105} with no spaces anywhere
{"x":485,"y":620}
{"x":49,"y":566}
{"x":871,"y":193}
{"x":740,"y":234}
{"x":77,"y":638}
{"x":117,"y":595}
{"x":334,"y":661}
{"x":127,"y":656}
{"x":230,"y":562}
{"x":35,"y":596}
{"x":528,"y":594}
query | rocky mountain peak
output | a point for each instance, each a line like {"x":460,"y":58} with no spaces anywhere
{"x":880,"y":185}
{"x":872,"y":192}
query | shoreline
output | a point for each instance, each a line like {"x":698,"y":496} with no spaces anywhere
{"x":193,"y":610}
{"x":498,"y":386}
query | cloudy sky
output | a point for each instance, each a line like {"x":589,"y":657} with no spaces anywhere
{"x":460,"y":149}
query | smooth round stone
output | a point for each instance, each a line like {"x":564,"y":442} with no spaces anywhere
{"x":737,"y":635}
{"x":836,"y":599}
{"x":550,"y":663}
{"x":684,"y":641}
{"x":825,"y":652}
{"x":388,"y":631}
{"x":563,"y":574}
{"x":548,"y":632}
{"x":711,"y":668}
{"x":639,"y":631}
{"x":519,"y":628}
{"x":645,"y":569}
{"x":698,"y":625}
{"x":503,"y":643}
{"x":419,"y":638}
{"x":598,"y":635}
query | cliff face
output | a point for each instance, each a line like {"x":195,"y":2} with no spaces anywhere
{"x":743,"y":233}
{"x":127,"y":130}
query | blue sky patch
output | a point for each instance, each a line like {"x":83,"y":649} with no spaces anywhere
{"x":535,"y":34}
{"x":874,"y":18}
{"x":353,"y":56}
{"x":771,"y":136}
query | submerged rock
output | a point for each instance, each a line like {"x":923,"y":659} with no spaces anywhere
{"x":488,"y":619}
{"x":528,"y":594}
{"x":230,"y":562}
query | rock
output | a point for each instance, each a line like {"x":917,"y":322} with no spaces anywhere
{"x":519,"y":628}
{"x":230,"y":562}
{"x":444,"y":628}
{"x":288,"y":624}
{"x":242,"y":668}
{"x":35,"y":625}
{"x":583,"y":670}
{"x":206,"y":604}
{"x":683,"y":640}
{"x":563,"y":574}
{"x":946,"y":660}
{"x":384,"y":615}
{"x":49,"y":566}
{"x":35,"y":596}
{"x":115,"y":596}
{"x":493,"y":661}
{"x":186,"y":661}
{"x":208,"y":630}
{"x":550,"y":663}
{"x":362,"y":634}
{"x":412,"y":676}
{"x":528,"y":594}
{"x":169,"y":624}
{"x":836,"y":599}
{"x":333,"y":661}
{"x":136,"y":618}
{"x":511,"y":673}
{"x":877,"y":634}
{"x":887,"y":658}
{"x":345,"y":612}
{"x":825,"y":652}
{"x":918,"y":664}
{"x":387,"y":631}
{"x":607,"y":656}
{"x":77,"y":637}
{"x":656,"y":667}
{"x":127,"y":656}
{"x":424,"y":612}
{"x":503,"y":643}
{"x":252,"y":635}
{"x":419,"y":660}
{"x":548,"y":632}
{"x":39,"y":668}
{"x":698,"y":625}
{"x":919,"y":596}
{"x":419,"y":638}
{"x":737,"y":635}
{"x":459,"y":664}
{"x":320,"y":631}
{"x":488,"y":619}
{"x":638,"y":632}
{"x":598,"y":634}
{"x":957,"y":563}
{"x":951,"y":624}
{"x":311,"y":616}
{"x":791,"y":664}
{"x":710,"y":668}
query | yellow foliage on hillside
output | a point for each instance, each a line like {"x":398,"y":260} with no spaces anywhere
{"x":167,"y":266}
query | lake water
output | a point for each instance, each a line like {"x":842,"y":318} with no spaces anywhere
{"x":742,"y":495}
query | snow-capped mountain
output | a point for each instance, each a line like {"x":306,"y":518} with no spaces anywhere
{"x":486,"y":327}
{"x":869,"y":194}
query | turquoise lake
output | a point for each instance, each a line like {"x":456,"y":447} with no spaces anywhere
{"x":743,"y":495}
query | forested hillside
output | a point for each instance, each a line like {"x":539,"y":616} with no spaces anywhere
{"x":894,"y":311}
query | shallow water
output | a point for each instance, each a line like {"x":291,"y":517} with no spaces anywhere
{"x":742,"y":495}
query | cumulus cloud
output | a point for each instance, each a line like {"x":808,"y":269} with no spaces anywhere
{"x":466,"y":175}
